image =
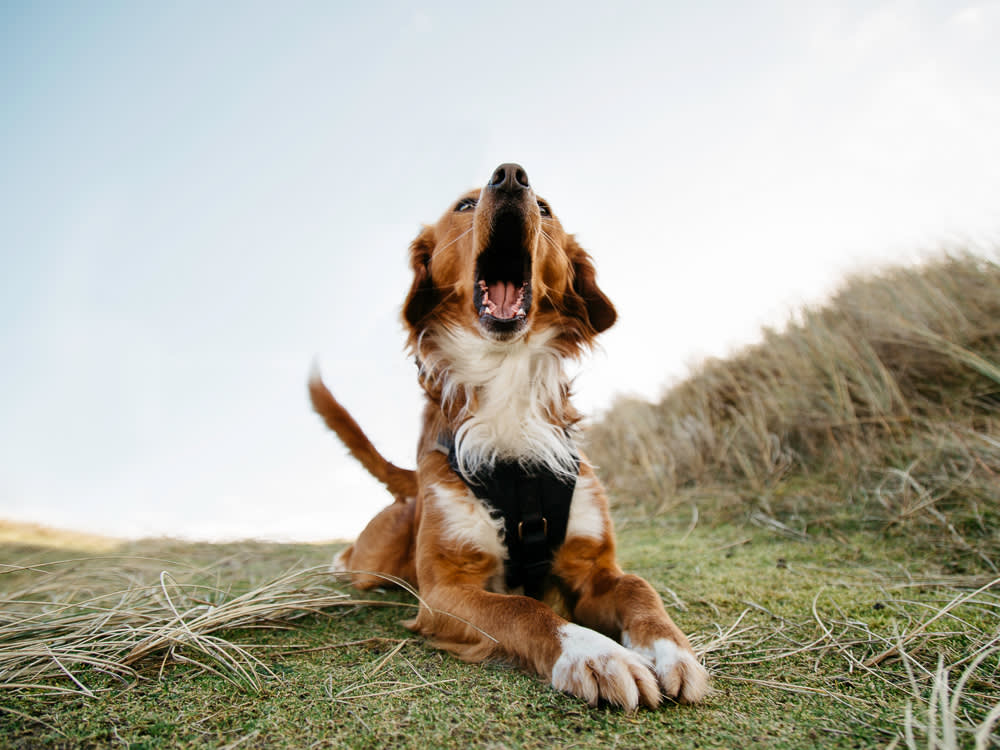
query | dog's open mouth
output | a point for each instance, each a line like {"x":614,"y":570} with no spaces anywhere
{"x":502,"y":293}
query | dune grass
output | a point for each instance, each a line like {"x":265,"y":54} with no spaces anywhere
{"x":879,"y":410}
{"x":819,"y":512}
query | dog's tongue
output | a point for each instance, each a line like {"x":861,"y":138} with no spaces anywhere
{"x":503,"y":294}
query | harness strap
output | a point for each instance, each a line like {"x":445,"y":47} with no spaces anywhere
{"x":533,"y":502}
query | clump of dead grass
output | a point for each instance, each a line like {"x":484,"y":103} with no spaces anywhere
{"x":889,"y":394}
{"x":128,"y":616}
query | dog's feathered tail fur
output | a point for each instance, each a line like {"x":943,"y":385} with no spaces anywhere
{"x":402,"y":483}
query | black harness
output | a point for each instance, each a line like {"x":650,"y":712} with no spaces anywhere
{"x":533,"y":502}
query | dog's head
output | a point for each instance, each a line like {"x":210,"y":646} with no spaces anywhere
{"x":499,"y":262}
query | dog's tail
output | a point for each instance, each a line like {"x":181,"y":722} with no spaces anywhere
{"x":402,"y":483}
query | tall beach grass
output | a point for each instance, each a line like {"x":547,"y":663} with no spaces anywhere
{"x":880,"y":408}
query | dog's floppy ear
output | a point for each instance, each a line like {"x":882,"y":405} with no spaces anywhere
{"x":422,"y":296}
{"x":601,"y":313}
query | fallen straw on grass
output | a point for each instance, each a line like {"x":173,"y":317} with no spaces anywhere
{"x":51,"y":635}
{"x":915,"y":662}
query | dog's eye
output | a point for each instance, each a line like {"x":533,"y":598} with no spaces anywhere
{"x":543,"y":208}
{"x":466,"y":204}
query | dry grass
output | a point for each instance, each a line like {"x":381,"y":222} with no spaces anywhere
{"x":19,"y":532}
{"x":120,"y":614}
{"x":889,"y":395}
{"x":940,"y":712}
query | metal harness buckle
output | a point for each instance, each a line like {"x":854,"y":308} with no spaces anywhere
{"x":520,"y":528}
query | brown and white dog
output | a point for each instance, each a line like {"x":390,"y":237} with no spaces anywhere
{"x":502,"y":296}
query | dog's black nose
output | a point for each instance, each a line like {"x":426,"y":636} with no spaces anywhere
{"x":510,"y":178}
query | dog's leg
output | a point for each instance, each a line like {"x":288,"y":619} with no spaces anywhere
{"x":459,"y":556}
{"x":476,"y":625}
{"x":383,"y":551}
{"x":626,"y":607}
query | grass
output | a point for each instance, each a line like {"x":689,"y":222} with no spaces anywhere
{"x":809,"y":641}
{"x":819,"y":512}
{"x":880,"y":410}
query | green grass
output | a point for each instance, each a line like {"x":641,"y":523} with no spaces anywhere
{"x":785,"y":627}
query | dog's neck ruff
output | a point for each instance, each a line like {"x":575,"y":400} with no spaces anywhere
{"x":505,"y":401}
{"x":533,"y":502}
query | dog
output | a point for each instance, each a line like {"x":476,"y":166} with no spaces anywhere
{"x":504,"y":529}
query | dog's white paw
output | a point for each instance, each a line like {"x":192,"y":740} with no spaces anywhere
{"x":680,"y":674}
{"x":593,"y":667}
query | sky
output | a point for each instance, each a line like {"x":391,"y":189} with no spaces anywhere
{"x":198,"y":200}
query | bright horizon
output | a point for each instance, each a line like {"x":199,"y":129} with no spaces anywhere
{"x":196,"y":203}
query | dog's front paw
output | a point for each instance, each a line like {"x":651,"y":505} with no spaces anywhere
{"x":680,"y":674}
{"x":594,"y":667}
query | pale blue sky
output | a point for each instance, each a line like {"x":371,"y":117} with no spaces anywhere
{"x":198,"y":198}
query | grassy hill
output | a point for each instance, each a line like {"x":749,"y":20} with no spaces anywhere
{"x":879,"y":410}
{"x":819,"y":511}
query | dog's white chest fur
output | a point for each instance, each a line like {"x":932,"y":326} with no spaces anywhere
{"x":511,"y":398}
